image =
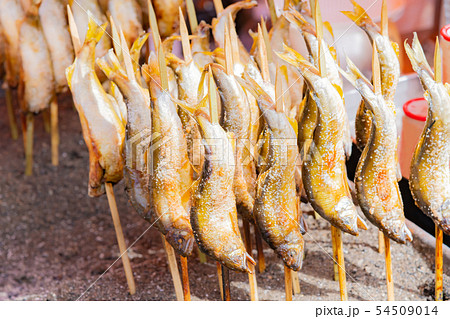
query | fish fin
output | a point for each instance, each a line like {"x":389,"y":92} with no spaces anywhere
{"x":407,"y":233}
{"x":329,"y":28}
{"x":260,"y":182}
{"x":116,"y":39}
{"x":69,"y":74}
{"x":354,"y":74}
{"x":417,"y":56}
{"x":110,"y":65}
{"x":94,"y":32}
{"x":361,"y":223}
{"x":299,"y":22}
{"x":135,"y":50}
{"x":360,"y":17}
{"x":255,"y":89}
{"x":250,"y":259}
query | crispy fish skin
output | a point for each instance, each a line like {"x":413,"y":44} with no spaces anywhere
{"x":377,"y":189}
{"x":275,"y":210}
{"x":138,"y":134}
{"x":213,"y":213}
{"x":36,"y":70}
{"x":171,"y":176}
{"x":389,"y":65}
{"x":128,"y":16}
{"x":324,"y":171}
{"x":54,"y":24}
{"x":102,"y":127}
{"x":430,"y":173}
{"x":236,"y":118}
{"x":188,"y":77}
{"x":11,"y":14}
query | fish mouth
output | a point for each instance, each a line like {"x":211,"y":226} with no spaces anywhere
{"x":293,"y":258}
{"x":445,"y":225}
{"x":181,"y":240}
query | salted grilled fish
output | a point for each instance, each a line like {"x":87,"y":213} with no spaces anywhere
{"x":128,"y":17}
{"x":54,"y":24}
{"x":11,"y":14}
{"x":102,"y":126}
{"x":167,"y":15}
{"x":138,"y":133}
{"x":275,"y":210}
{"x":236,"y":118}
{"x":377,"y":189}
{"x":36,"y":69}
{"x":171,"y":176}
{"x":389,"y":66}
{"x":188,"y":77}
{"x":213,"y":213}
{"x":430,"y":173}
{"x":200,"y":45}
{"x":80,"y":9}
{"x":324,"y":171}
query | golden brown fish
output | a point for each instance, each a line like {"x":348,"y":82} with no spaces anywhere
{"x":324,"y":171}
{"x":430,"y":173}
{"x":167,"y":15}
{"x":101,"y":123}
{"x":377,"y":189}
{"x":128,"y":17}
{"x":171,"y":176}
{"x":36,"y":69}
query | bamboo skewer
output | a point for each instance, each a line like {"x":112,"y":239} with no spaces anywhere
{"x":185,"y":277}
{"x":248,"y":247}
{"x":336,"y":235}
{"x":259,"y":249}
{"x":219,"y":276}
{"x":193,"y":22}
{"x":46,"y":118}
{"x":120,"y":238}
{"x":10,"y":110}
{"x":218,"y":5}
{"x":288,"y":283}
{"x":226,"y":284}
{"x":54,"y":131}
{"x":173,"y":267}
{"x":380,"y":242}
{"x":335,"y":258}
{"x":295,"y":283}
{"x":273,"y":11}
{"x":389,"y":278}
{"x":28,"y":140}
{"x":439,"y":257}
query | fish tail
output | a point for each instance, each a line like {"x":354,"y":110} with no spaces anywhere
{"x":361,"y":18}
{"x":297,"y":19}
{"x":69,"y":74}
{"x":296,"y":59}
{"x":417,"y":57}
{"x":110,"y":65}
{"x":95,"y":31}
{"x":353,"y":74}
{"x":135,"y":50}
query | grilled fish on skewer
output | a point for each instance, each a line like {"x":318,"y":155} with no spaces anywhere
{"x":128,"y":16}
{"x":11,"y":14}
{"x":200,"y":45}
{"x":138,"y":131}
{"x":389,"y":65}
{"x":324,"y":172}
{"x":167,"y":15}
{"x":213,"y":213}
{"x":171,"y":177}
{"x":236,"y":119}
{"x":376,"y":183}
{"x":275,"y":208}
{"x":430,"y":173}
{"x":80,"y":9}
{"x":54,"y":24}
{"x":37,"y":64}
{"x":102,"y":126}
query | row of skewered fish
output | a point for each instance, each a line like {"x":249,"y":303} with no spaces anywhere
{"x":202,"y":139}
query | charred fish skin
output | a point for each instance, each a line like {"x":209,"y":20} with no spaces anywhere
{"x":213,"y":213}
{"x":324,"y":171}
{"x":389,"y":65}
{"x":102,"y":127}
{"x":138,"y":134}
{"x":236,"y":118}
{"x":377,"y":189}
{"x":169,"y":165}
{"x":430,"y":173}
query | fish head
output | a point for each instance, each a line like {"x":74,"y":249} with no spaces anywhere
{"x":291,"y":252}
{"x":181,"y":239}
{"x":238,"y":260}
{"x":347,"y":216}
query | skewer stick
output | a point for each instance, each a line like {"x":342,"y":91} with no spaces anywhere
{"x":213,"y":113}
{"x":190,"y":8}
{"x":265,"y":34}
{"x":439,"y":258}
{"x":279,"y":100}
{"x":172,"y":260}
{"x":28,"y":139}
{"x":185,"y":277}
{"x":389,"y":279}
{"x":201,"y":256}
{"x":336,"y":235}
{"x":185,"y":38}
{"x":73,"y":31}
{"x":335,"y":258}
{"x":219,"y":275}
{"x":263,"y":55}
{"x":54,"y":131}
{"x":218,"y":5}
{"x":248,"y":247}
{"x":259,"y":248}
{"x":295,"y":283}
{"x":439,"y":267}
{"x":153,"y":25}
{"x":120,"y":238}
{"x":273,"y":11}
{"x":228,"y":54}
{"x":11,"y":117}
{"x":226,"y":283}
{"x":46,"y":118}
{"x":288,"y":283}
{"x":234,"y":41}
{"x":384,"y":19}
{"x":380,"y":242}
